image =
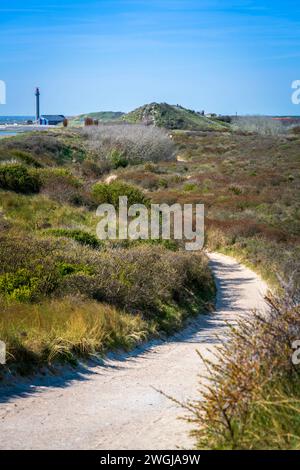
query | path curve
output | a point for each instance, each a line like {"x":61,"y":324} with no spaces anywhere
{"x":117,"y":406}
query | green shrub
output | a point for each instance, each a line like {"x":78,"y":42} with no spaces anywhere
{"x":28,"y":268}
{"x":58,"y":174}
{"x":23,"y":285}
{"x":60,"y":184}
{"x":110,"y":193}
{"x":50,"y":147}
{"x":26,"y":158}
{"x":78,"y":235}
{"x":66,"y":269}
{"x":118,"y":159}
{"x":143,"y":278}
{"x":154,"y":288}
{"x":190,"y":187}
{"x":16,"y":177}
{"x":163,"y":183}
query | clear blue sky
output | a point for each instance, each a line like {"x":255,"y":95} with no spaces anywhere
{"x":222,"y":56}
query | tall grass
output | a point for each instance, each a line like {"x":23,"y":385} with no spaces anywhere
{"x":35,"y":212}
{"x":63,"y":329}
{"x":252,"y":400}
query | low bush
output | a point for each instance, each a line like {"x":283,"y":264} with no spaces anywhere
{"x":26,"y":157}
{"x":118,"y":159}
{"x":16,"y":177}
{"x":129,"y":143}
{"x":26,"y":285}
{"x":91,"y":169}
{"x":28,"y":268}
{"x":110,"y":193}
{"x":66,"y":269}
{"x":190,"y":187}
{"x":79,"y":236}
{"x":143,"y":278}
{"x":61,"y":185}
{"x":46,"y":147}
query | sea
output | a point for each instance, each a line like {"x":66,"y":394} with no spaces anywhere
{"x":13,"y":121}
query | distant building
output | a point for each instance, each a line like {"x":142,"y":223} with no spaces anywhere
{"x":51,"y":120}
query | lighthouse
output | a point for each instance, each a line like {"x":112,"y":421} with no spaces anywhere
{"x":37,"y":108}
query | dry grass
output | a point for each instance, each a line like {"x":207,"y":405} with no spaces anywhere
{"x":64,"y":329}
{"x":252,"y":400}
{"x":129,"y":143}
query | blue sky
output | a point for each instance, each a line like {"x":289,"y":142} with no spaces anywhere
{"x":222,"y":56}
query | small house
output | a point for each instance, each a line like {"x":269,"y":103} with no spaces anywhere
{"x":51,"y":120}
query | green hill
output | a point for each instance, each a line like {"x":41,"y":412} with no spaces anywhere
{"x":102,"y":116}
{"x":173,"y":117}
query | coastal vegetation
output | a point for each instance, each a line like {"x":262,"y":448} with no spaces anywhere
{"x":173,"y":117}
{"x":252,"y":400}
{"x":65,"y":294}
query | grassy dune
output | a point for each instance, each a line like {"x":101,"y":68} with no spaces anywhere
{"x":173,"y":117}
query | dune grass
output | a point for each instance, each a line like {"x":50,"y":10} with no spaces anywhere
{"x":65,"y":329}
{"x":252,"y":400}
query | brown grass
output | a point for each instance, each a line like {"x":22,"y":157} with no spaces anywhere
{"x":253,"y":392}
{"x":66,"y":329}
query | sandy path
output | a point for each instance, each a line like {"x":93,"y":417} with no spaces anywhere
{"x":117,"y":406}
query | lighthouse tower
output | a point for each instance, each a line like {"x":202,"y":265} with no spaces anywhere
{"x":37,"y":107}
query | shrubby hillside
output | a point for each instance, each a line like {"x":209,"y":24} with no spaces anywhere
{"x":101,"y":116}
{"x":173,"y":117}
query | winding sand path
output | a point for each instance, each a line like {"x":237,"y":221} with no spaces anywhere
{"x":117,"y":406}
